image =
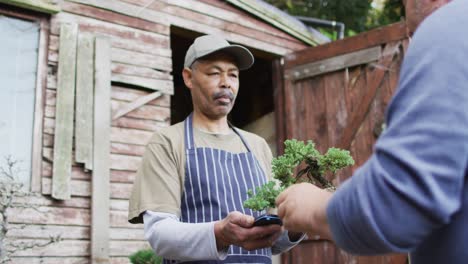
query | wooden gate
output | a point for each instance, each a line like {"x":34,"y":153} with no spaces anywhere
{"x":336,"y":95}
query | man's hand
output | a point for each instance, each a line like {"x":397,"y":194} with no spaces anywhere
{"x":237,"y":229}
{"x":302,"y":207}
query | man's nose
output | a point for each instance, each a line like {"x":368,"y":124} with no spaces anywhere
{"x":225,"y":81}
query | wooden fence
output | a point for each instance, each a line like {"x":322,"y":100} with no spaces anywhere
{"x":336,"y":95}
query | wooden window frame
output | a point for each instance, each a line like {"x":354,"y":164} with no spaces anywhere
{"x":40,"y":87}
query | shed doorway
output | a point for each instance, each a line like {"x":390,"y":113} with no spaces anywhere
{"x":253,"y":110}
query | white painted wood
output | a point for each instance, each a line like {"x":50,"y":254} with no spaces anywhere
{"x":101,"y":172}
{"x":65,"y":112}
{"x":39,"y":107}
{"x":84,"y":101}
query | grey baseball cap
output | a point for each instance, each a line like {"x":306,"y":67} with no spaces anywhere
{"x":209,"y":44}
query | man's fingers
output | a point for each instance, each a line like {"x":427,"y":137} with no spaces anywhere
{"x":240,"y":219}
{"x":280,"y":198}
{"x":280,"y":211}
{"x":263,"y":242}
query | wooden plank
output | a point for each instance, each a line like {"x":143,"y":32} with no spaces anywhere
{"x":290,"y":104}
{"x":334,"y":64}
{"x":149,"y":112}
{"x":64,"y":116}
{"x":127,"y":44}
{"x":126,"y":69}
{"x":20,"y":231}
{"x":129,"y":94}
{"x":127,"y":149}
{"x":186,"y":22}
{"x":47,"y":140}
{"x":121,"y":190}
{"x":163,"y":86}
{"x":123,"y":234}
{"x":315,"y":106}
{"x":127,"y":9}
{"x":101,"y":178}
{"x":36,"y":5}
{"x":64,"y":216}
{"x":119,"y":205}
{"x":230,"y":36}
{"x":109,"y":29}
{"x":135,"y":104}
{"x":142,"y":59}
{"x":364,"y":40}
{"x":51,"y":81}
{"x":49,"y":125}
{"x":52,"y":56}
{"x":146,"y":125}
{"x":114,"y":17}
{"x":377,"y":76}
{"x":49,"y":112}
{"x":77,"y":172}
{"x":141,"y":124}
{"x":123,"y":162}
{"x":63,"y":248}
{"x":123,"y":176}
{"x":335,"y":100}
{"x":47,"y":154}
{"x":133,"y":58}
{"x":130,"y":136}
{"x":118,"y":161}
{"x":119,"y":93}
{"x":279,"y":104}
{"x":50,"y":97}
{"x":41,"y":80}
{"x":79,"y":188}
{"x":224,"y":11}
{"x":50,"y":260}
{"x":49,"y":216}
{"x":84,"y":189}
{"x":40,"y":200}
{"x":84,"y":101}
{"x":208,"y":15}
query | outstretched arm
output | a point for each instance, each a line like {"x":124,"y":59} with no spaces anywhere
{"x":172,"y":239}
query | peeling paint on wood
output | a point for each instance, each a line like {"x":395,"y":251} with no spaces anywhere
{"x":65,"y":112}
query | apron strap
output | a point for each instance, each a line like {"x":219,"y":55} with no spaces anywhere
{"x":188,"y":134}
{"x":241,"y":137}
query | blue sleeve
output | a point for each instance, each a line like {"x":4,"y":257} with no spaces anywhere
{"x":413,"y":182}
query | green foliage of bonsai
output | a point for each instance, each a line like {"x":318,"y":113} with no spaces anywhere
{"x":298,"y":153}
{"x":145,"y":256}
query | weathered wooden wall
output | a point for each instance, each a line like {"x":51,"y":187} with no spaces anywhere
{"x":341,"y":108}
{"x":140,"y":64}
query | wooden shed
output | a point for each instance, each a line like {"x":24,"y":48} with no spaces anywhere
{"x":85,"y":83}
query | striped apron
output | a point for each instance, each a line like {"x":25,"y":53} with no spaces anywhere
{"x":216,"y":183}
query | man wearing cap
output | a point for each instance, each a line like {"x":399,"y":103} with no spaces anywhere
{"x":195,"y":175}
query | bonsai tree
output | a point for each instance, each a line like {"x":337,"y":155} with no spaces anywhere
{"x":314,"y":168}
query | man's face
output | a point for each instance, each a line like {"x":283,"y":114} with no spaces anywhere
{"x":214,"y":83}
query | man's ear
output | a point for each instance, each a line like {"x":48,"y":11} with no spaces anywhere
{"x":187,"y":75}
